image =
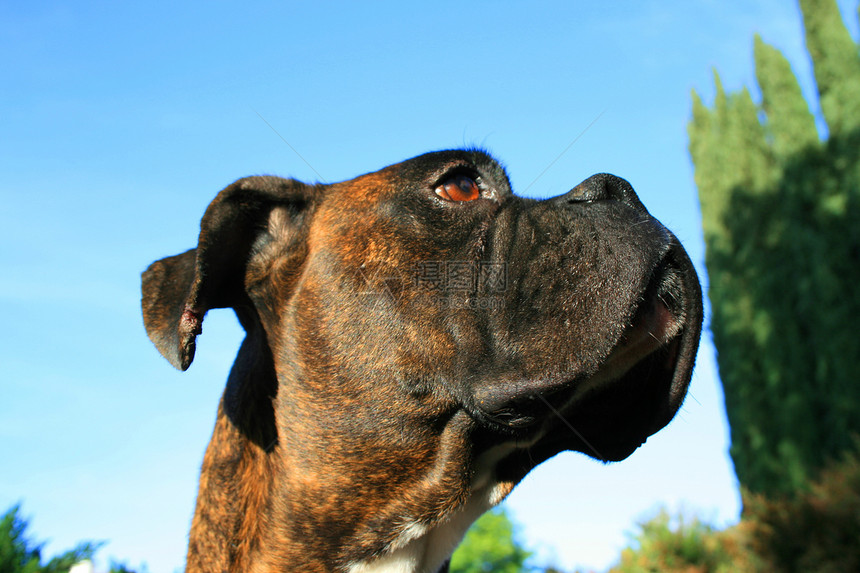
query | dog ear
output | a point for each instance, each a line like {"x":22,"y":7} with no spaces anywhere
{"x":179,"y":290}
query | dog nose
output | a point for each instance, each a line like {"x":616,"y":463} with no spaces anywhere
{"x":603,"y":187}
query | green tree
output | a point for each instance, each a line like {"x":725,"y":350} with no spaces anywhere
{"x":812,"y":531}
{"x":18,"y":554}
{"x":780,"y":210}
{"x":490,"y":546}
{"x":815,"y":531}
{"x":686,"y":545}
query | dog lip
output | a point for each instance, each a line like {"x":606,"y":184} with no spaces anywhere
{"x":670,"y":309}
{"x":658,"y":322}
{"x":654,"y":326}
{"x":504,"y":413}
{"x":660,"y":328}
{"x":512,"y":418}
{"x":515,"y":405}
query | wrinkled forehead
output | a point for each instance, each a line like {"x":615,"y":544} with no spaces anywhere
{"x":373,"y":213}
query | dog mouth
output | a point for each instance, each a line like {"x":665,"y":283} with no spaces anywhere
{"x":634,"y":393}
{"x":652,"y":333}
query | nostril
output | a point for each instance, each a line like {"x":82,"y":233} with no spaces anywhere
{"x":580,"y":194}
{"x":598,"y":187}
{"x":603,"y":187}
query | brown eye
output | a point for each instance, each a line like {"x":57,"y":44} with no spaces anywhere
{"x":459,"y":188}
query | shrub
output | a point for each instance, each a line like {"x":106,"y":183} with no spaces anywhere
{"x":814,"y":531}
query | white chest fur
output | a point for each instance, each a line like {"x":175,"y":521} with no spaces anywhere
{"x":423,"y":549}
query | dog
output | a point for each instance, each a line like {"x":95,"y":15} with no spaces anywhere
{"x":417,"y":340}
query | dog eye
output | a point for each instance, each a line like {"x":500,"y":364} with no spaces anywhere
{"x":458,"y":188}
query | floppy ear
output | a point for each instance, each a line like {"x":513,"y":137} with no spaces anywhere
{"x":179,"y":290}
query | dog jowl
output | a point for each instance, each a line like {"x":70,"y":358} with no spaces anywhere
{"x":418,"y":339}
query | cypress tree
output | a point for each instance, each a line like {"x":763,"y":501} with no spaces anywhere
{"x":781,"y":220}
{"x":835,"y":61}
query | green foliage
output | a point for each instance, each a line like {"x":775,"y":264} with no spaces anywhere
{"x":836,"y":65}
{"x":780,"y":208}
{"x":813,"y":531}
{"x":684,"y":545}
{"x":816,"y":531}
{"x":490,"y":546}
{"x":117,"y":567}
{"x":18,"y":554}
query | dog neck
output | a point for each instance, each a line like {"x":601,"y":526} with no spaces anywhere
{"x":426,"y":549}
{"x":323,"y":497}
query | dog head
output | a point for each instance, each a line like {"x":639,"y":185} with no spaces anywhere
{"x":420,"y":336}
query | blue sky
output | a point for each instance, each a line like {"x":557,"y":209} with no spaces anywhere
{"x":120,"y":121}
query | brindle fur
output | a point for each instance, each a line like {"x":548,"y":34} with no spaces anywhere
{"x":363,"y":394}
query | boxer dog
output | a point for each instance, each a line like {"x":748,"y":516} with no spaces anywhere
{"x":418,"y":339}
